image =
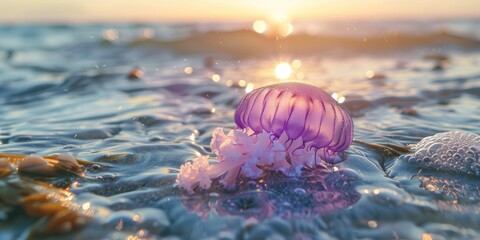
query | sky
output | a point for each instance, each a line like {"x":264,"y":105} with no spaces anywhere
{"x":61,"y":11}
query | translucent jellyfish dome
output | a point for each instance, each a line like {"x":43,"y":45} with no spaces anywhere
{"x":283,"y":127}
{"x":298,"y":115}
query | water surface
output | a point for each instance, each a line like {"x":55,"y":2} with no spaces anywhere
{"x":65,"y":88}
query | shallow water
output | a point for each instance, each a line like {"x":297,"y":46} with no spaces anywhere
{"x":65,"y":89}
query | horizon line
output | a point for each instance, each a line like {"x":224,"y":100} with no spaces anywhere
{"x":206,"y":21}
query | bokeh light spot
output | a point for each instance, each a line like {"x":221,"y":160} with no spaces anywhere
{"x":260,"y":26}
{"x":285,"y":29}
{"x":249,"y":87}
{"x":188,"y":70}
{"x":216,"y":77}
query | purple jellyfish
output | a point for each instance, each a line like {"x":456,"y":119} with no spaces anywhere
{"x":283,"y":127}
{"x":298,"y":113}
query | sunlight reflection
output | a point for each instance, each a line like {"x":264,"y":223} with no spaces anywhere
{"x":283,"y":70}
{"x":148,"y":33}
{"x":340,"y":99}
{"x":370,"y":74}
{"x":277,"y":25}
{"x":110,"y":34}
{"x":260,"y":26}
{"x":285,"y":29}
{"x":297,"y":63}
{"x":86,"y":206}
{"x":426,"y":236}
{"x":279,"y":17}
{"x":188,"y":70}
{"x":242,"y":83}
{"x":215,"y":77}
{"x":249,"y":88}
{"x":192,"y":137}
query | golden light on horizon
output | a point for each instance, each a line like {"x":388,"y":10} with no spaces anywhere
{"x":280,"y":17}
{"x":74,"y":11}
{"x":283,"y":70}
{"x":285,"y":29}
{"x":260,"y":26}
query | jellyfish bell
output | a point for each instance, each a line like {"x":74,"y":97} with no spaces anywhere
{"x":283,"y":127}
{"x":298,"y":115}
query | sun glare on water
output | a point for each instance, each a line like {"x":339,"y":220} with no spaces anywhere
{"x":260,"y":26}
{"x":283,"y":70}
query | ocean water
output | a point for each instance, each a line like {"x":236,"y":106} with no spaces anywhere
{"x":66,"y":89}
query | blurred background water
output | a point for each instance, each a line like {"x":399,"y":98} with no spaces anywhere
{"x":143,"y":99}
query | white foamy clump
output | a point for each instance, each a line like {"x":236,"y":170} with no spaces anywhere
{"x":243,"y":153}
{"x":455,"y":151}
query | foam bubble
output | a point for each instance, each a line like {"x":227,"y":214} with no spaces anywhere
{"x":455,"y":151}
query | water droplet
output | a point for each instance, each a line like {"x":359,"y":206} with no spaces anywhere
{"x":107,"y":177}
{"x":434,"y":148}
{"x":472,"y":154}
{"x":450,"y":153}
{"x":470,"y":160}
{"x":300,"y":191}
{"x":420,"y":153}
{"x":214,"y":195}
